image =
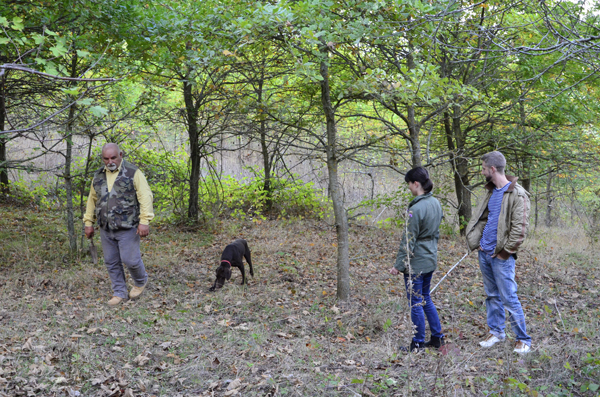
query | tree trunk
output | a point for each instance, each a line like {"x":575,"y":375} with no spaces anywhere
{"x":3,"y":140}
{"x":413,"y":125}
{"x":460,"y":167}
{"x":192,"y":122}
{"x":264,"y":148}
{"x":549,"y":199}
{"x":67,"y":169}
{"x":415,"y":143}
{"x":525,"y":177}
{"x":341,"y":221}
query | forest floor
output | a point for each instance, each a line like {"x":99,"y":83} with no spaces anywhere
{"x":285,"y":333}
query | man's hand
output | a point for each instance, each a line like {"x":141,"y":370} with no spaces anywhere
{"x":394,"y":271}
{"x":143,"y":230}
{"x":89,"y":231}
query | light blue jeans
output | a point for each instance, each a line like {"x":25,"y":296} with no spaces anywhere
{"x":421,"y":284}
{"x":123,"y":247}
{"x":501,"y":290}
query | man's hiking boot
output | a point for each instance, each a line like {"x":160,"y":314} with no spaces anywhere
{"x":115,"y":301}
{"x":137,"y":291}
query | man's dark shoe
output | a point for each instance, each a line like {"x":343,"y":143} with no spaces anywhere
{"x":414,"y":347}
{"x":435,"y":342}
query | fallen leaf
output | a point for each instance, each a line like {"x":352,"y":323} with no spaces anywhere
{"x":28,"y":345}
{"x":141,"y":360}
{"x":59,"y":380}
{"x":235,"y":384}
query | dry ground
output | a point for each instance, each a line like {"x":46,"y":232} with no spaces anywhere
{"x":285,"y":333}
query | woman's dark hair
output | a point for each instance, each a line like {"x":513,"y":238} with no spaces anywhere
{"x":419,"y":174}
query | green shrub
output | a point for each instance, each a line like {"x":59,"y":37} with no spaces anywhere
{"x":38,"y":192}
{"x":288,"y":198}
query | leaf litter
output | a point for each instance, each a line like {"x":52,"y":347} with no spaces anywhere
{"x":285,"y":330}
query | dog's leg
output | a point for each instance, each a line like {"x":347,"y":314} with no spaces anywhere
{"x":241,"y":267}
{"x":248,"y":258}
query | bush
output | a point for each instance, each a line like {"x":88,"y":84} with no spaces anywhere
{"x":289,"y":197}
{"x":35,"y":193}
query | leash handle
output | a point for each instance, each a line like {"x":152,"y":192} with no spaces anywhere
{"x":452,"y":268}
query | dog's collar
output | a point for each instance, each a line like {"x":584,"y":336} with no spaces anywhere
{"x":223,"y":260}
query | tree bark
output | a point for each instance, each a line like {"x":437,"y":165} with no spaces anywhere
{"x":341,"y":220}
{"x":264,"y":148}
{"x":192,"y":122}
{"x":413,"y":126}
{"x":67,"y":169}
{"x":3,"y":157}
{"x":549,"y":199}
{"x":460,"y":167}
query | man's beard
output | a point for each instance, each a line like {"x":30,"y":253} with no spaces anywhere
{"x":112,"y":167}
{"x":488,"y":178}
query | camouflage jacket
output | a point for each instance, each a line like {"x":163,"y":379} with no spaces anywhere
{"x":119,"y":208}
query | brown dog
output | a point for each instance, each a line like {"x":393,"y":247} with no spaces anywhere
{"x":232,"y":257}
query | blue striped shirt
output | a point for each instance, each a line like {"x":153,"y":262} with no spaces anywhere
{"x":490,"y":231}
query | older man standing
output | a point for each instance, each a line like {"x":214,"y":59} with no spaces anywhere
{"x":120,"y":201}
{"x":497,"y":229}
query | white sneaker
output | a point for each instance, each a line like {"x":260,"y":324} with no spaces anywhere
{"x":490,"y":341}
{"x":521,"y":348}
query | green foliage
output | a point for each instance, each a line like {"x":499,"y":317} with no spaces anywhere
{"x":38,"y":192}
{"x":396,"y":201}
{"x":167,"y":173}
{"x":288,"y":197}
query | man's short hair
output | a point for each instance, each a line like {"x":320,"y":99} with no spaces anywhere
{"x":495,"y":159}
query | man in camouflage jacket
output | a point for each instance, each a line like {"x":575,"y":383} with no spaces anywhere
{"x":120,"y":201}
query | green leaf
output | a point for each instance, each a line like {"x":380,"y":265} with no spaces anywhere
{"x":51,"y":33}
{"x":593,"y":387}
{"x":82,"y":54}
{"x":85,"y":102}
{"x":98,"y":111}
{"x":568,"y":366}
{"x":58,"y":50}
{"x":18,"y":23}
{"x":38,"y":38}
{"x":71,"y":91}
{"x":3,"y":21}
{"x":4,"y":40}
{"x":357,"y":381}
{"x":51,"y":69}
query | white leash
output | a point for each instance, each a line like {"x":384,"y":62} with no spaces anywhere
{"x":461,"y":259}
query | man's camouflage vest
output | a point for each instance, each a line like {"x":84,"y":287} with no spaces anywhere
{"x":119,"y":208}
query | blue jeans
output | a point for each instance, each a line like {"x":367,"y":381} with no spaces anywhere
{"x":421,"y":284}
{"x":501,"y":290}
{"x":123,"y":247}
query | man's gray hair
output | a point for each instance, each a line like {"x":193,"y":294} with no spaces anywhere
{"x":495,"y":159}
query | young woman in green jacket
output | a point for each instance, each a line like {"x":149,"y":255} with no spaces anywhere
{"x":417,"y":257}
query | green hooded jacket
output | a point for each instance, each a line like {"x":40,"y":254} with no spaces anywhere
{"x":420,"y":240}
